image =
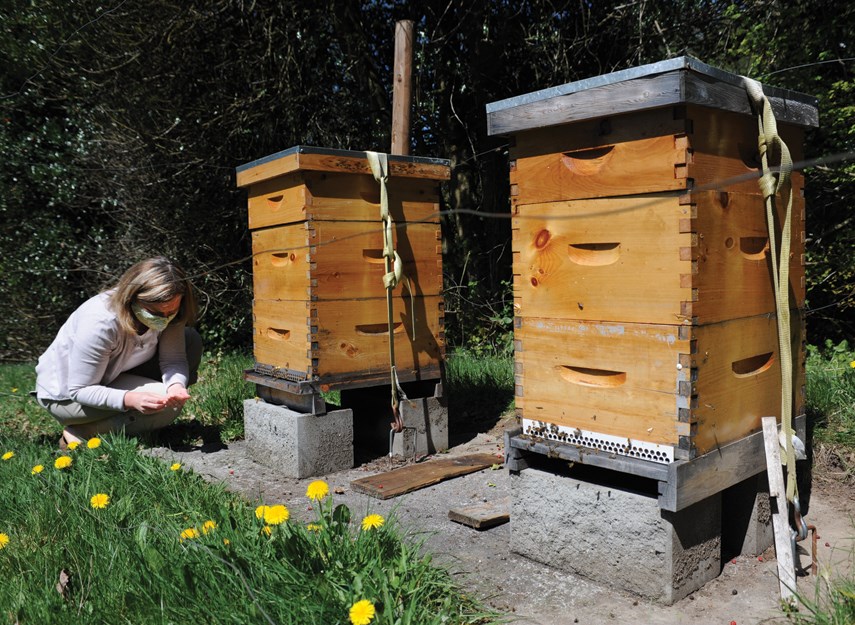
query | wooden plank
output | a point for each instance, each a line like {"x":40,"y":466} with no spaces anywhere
{"x":413,"y":477}
{"x":326,"y":160}
{"x":302,"y":195}
{"x":650,"y":259}
{"x":646,"y":165}
{"x":780,"y":516}
{"x":326,"y":260}
{"x":484,"y":515}
{"x":651,"y":382}
{"x":639,"y":89}
{"x":340,"y":337}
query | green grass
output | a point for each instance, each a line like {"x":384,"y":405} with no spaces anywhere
{"x":479,"y":386}
{"x":834,"y":604}
{"x":830,"y":392}
{"x":127,"y":562}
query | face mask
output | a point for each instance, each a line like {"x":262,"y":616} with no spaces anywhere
{"x":149,"y":319}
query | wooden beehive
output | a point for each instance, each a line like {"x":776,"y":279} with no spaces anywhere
{"x":319,"y":303}
{"x":644,"y":301}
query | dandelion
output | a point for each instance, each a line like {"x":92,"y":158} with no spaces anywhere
{"x":275,"y":515}
{"x":208,"y":527}
{"x":317,"y":490}
{"x":4,"y":540}
{"x":266,"y":530}
{"x":190,"y":532}
{"x":93,"y":443}
{"x":852,"y":364}
{"x":73,"y":445}
{"x":63,"y":462}
{"x":8,"y":454}
{"x":37,"y":469}
{"x":259,"y":512}
{"x":175,"y":467}
{"x":314,"y":527}
{"x":100,"y":501}
{"x":372,"y":521}
{"x":362,"y":612}
{"x":226,"y":542}
{"x":14,"y":389}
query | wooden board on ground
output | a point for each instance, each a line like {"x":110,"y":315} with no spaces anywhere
{"x":416,"y":476}
{"x":483,"y":515}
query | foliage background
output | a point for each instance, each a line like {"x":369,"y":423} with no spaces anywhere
{"x":121,"y":125}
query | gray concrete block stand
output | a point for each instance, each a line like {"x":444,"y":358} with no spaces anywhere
{"x":297,"y":444}
{"x":615,"y":536}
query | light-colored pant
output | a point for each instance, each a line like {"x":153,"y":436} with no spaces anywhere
{"x":102,"y":420}
{"x":89,"y":420}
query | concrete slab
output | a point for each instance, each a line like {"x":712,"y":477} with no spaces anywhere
{"x":297,"y":444}
{"x":620,"y":538}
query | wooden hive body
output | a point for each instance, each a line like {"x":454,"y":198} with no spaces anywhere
{"x":645,"y":317}
{"x":319,"y":303}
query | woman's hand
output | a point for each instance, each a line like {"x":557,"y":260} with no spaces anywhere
{"x":176,"y":395}
{"x":145,"y":403}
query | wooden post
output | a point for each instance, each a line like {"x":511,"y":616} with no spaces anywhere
{"x":780,"y":518}
{"x":402,"y":91}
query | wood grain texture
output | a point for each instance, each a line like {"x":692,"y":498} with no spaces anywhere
{"x":640,"y":94}
{"x":326,"y":260}
{"x":696,"y":387}
{"x":338,"y":337}
{"x":352,"y":164}
{"x":484,"y":515}
{"x":780,"y":514}
{"x":650,"y":259}
{"x":342,"y":197}
{"x":413,"y":477}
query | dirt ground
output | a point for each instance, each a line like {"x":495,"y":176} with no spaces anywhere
{"x":746,"y":591}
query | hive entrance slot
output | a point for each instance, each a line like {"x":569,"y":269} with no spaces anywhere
{"x":378,"y":329}
{"x":754,"y":365}
{"x":754,"y":248}
{"x":275,"y":201}
{"x":594,"y":254}
{"x":278,"y":334}
{"x":279,"y":259}
{"x":373,"y":256}
{"x":599,"y":378}
{"x":587,"y":162}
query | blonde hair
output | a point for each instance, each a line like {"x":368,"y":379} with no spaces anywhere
{"x":152,"y":281}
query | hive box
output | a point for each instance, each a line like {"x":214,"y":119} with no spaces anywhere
{"x":319,"y":308}
{"x":645,"y":316}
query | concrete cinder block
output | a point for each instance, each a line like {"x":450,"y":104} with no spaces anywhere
{"x":619,"y":538}
{"x":297,"y":444}
{"x":425,"y":417}
{"x":747,"y":517}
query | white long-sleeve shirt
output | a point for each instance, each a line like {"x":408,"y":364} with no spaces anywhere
{"x":91,"y":350}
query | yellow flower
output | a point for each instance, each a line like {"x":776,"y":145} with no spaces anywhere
{"x":259,"y":512}
{"x":274,"y":515}
{"x":372,"y":521}
{"x":314,"y":527}
{"x":8,"y":455}
{"x":15,"y":390}
{"x":63,"y":462}
{"x":852,"y":364}
{"x":226,"y":542}
{"x":73,"y":445}
{"x":37,"y":469}
{"x":317,"y":490}
{"x":266,"y":529}
{"x":175,"y":466}
{"x":4,"y":540}
{"x":93,"y":443}
{"x":100,"y":501}
{"x":208,"y":526}
{"x":362,"y":612}
{"x":190,"y":532}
